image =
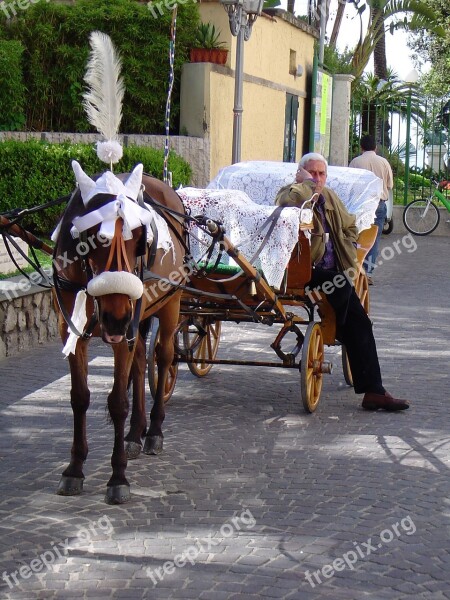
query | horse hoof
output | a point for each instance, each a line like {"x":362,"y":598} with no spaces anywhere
{"x":133,"y":450}
{"x":117,"y":494}
{"x":70,"y":486}
{"x":153,"y":444}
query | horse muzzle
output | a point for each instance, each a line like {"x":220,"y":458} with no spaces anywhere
{"x":116,"y":315}
{"x":116,"y":282}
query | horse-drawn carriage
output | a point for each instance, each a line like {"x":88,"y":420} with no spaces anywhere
{"x":237,"y":274}
{"x":119,"y":261}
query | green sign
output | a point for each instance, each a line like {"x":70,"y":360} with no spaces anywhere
{"x":322,"y":124}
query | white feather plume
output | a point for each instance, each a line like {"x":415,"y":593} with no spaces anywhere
{"x":103,"y":99}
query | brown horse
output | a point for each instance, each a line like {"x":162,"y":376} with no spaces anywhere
{"x":110,"y":269}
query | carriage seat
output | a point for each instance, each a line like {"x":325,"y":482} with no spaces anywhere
{"x":246,"y":224}
{"x":359,"y":189}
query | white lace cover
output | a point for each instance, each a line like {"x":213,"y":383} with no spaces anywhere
{"x":358,"y":189}
{"x":242,"y":220}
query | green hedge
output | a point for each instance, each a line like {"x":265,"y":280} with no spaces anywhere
{"x":12,"y":89}
{"x":34,"y":172}
{"x":56,"y":41}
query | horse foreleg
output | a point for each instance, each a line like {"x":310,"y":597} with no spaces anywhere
{"x":71,"y":482}
{"x":118,"y":488}
{"x":168,"y":321}
{"x":138,"y":420}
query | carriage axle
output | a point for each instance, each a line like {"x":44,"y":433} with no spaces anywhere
{"x":321,"y":367}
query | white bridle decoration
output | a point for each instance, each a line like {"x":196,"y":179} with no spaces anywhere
{"x":132,"y":214}
{"x":124,"y":206}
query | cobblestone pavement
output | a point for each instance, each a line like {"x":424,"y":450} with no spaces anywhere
{"x":252,"y":498}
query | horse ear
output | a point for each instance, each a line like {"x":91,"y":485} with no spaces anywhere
{"x":134,"y":182}
{"x":84,"y":181}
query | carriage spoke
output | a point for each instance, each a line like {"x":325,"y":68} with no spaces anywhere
{"x":153,"y":369}
{"x":311,"y":367}
{"x":202,"y":338}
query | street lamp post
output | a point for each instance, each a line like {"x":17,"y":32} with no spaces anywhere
{"x":241,"y":14}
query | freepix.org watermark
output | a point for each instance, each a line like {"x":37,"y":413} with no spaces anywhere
{"x":244,"y":520}
{"x":176,"y":278}
{"x":157,"y":9}
{"x":10,"y":8}
{"x":407,"y":242}
{"x":58,"y":550}
{"x":60,"y":262}
{"x":360,"y":552}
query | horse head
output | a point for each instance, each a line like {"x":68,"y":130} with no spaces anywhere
{"x":111,"y":226}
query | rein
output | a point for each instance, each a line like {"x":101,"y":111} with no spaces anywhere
{"x":10,"y":226}
{"x":61,"y":284}
{"x":118,"y":249}
{"x":16,"y":215}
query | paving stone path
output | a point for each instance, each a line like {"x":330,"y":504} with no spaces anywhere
{"x":252,"y":498}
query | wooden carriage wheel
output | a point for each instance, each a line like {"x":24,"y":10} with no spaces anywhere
{"x":152,"y":368}
{"x":362,"y":289}
{"x":202,"y":338}
{"x":311,"y":367}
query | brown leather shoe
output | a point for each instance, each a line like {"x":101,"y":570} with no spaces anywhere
{"x":373,"y":401}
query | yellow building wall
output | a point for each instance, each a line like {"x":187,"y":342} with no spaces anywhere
{"x":266,"y":80}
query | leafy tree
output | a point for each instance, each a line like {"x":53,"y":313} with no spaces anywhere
{"x":431,"y":48}
{"x":377,"y":99}
{"x":338,"y":62}
{"x":385,"y":15}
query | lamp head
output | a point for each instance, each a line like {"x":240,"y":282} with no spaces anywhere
{"x":412,"y":77}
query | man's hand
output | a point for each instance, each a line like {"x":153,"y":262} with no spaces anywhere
{"x":301,"y":175}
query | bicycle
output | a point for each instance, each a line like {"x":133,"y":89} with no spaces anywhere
{"x":422,"y":216}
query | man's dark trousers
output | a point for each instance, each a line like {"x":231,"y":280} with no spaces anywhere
{"x":353,"y":329}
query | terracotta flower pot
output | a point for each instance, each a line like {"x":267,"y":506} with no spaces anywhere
{"x":216,"y":55}
{"x":219,"y":56}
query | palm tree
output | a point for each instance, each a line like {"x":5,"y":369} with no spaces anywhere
{"x":376,"y":99}
{"x":389,"y":15}
{"x":290,"y":6}
{"x":381,"y":12}
{"x":337,"y":23}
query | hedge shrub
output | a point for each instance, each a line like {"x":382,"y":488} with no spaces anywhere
{"x":35,"y":172}
{"x":12,"y":89}
{"x":56,"y":41}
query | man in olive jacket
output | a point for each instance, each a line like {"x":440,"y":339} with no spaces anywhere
{"x":333,"y":254}
{"x":342,"y":228}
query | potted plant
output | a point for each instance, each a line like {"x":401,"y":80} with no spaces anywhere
{"x":207,"y":46}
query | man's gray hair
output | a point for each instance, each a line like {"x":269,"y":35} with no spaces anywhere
{"x":312,"y":156}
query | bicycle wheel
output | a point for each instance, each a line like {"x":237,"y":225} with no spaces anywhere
{"x":421,"y":217}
